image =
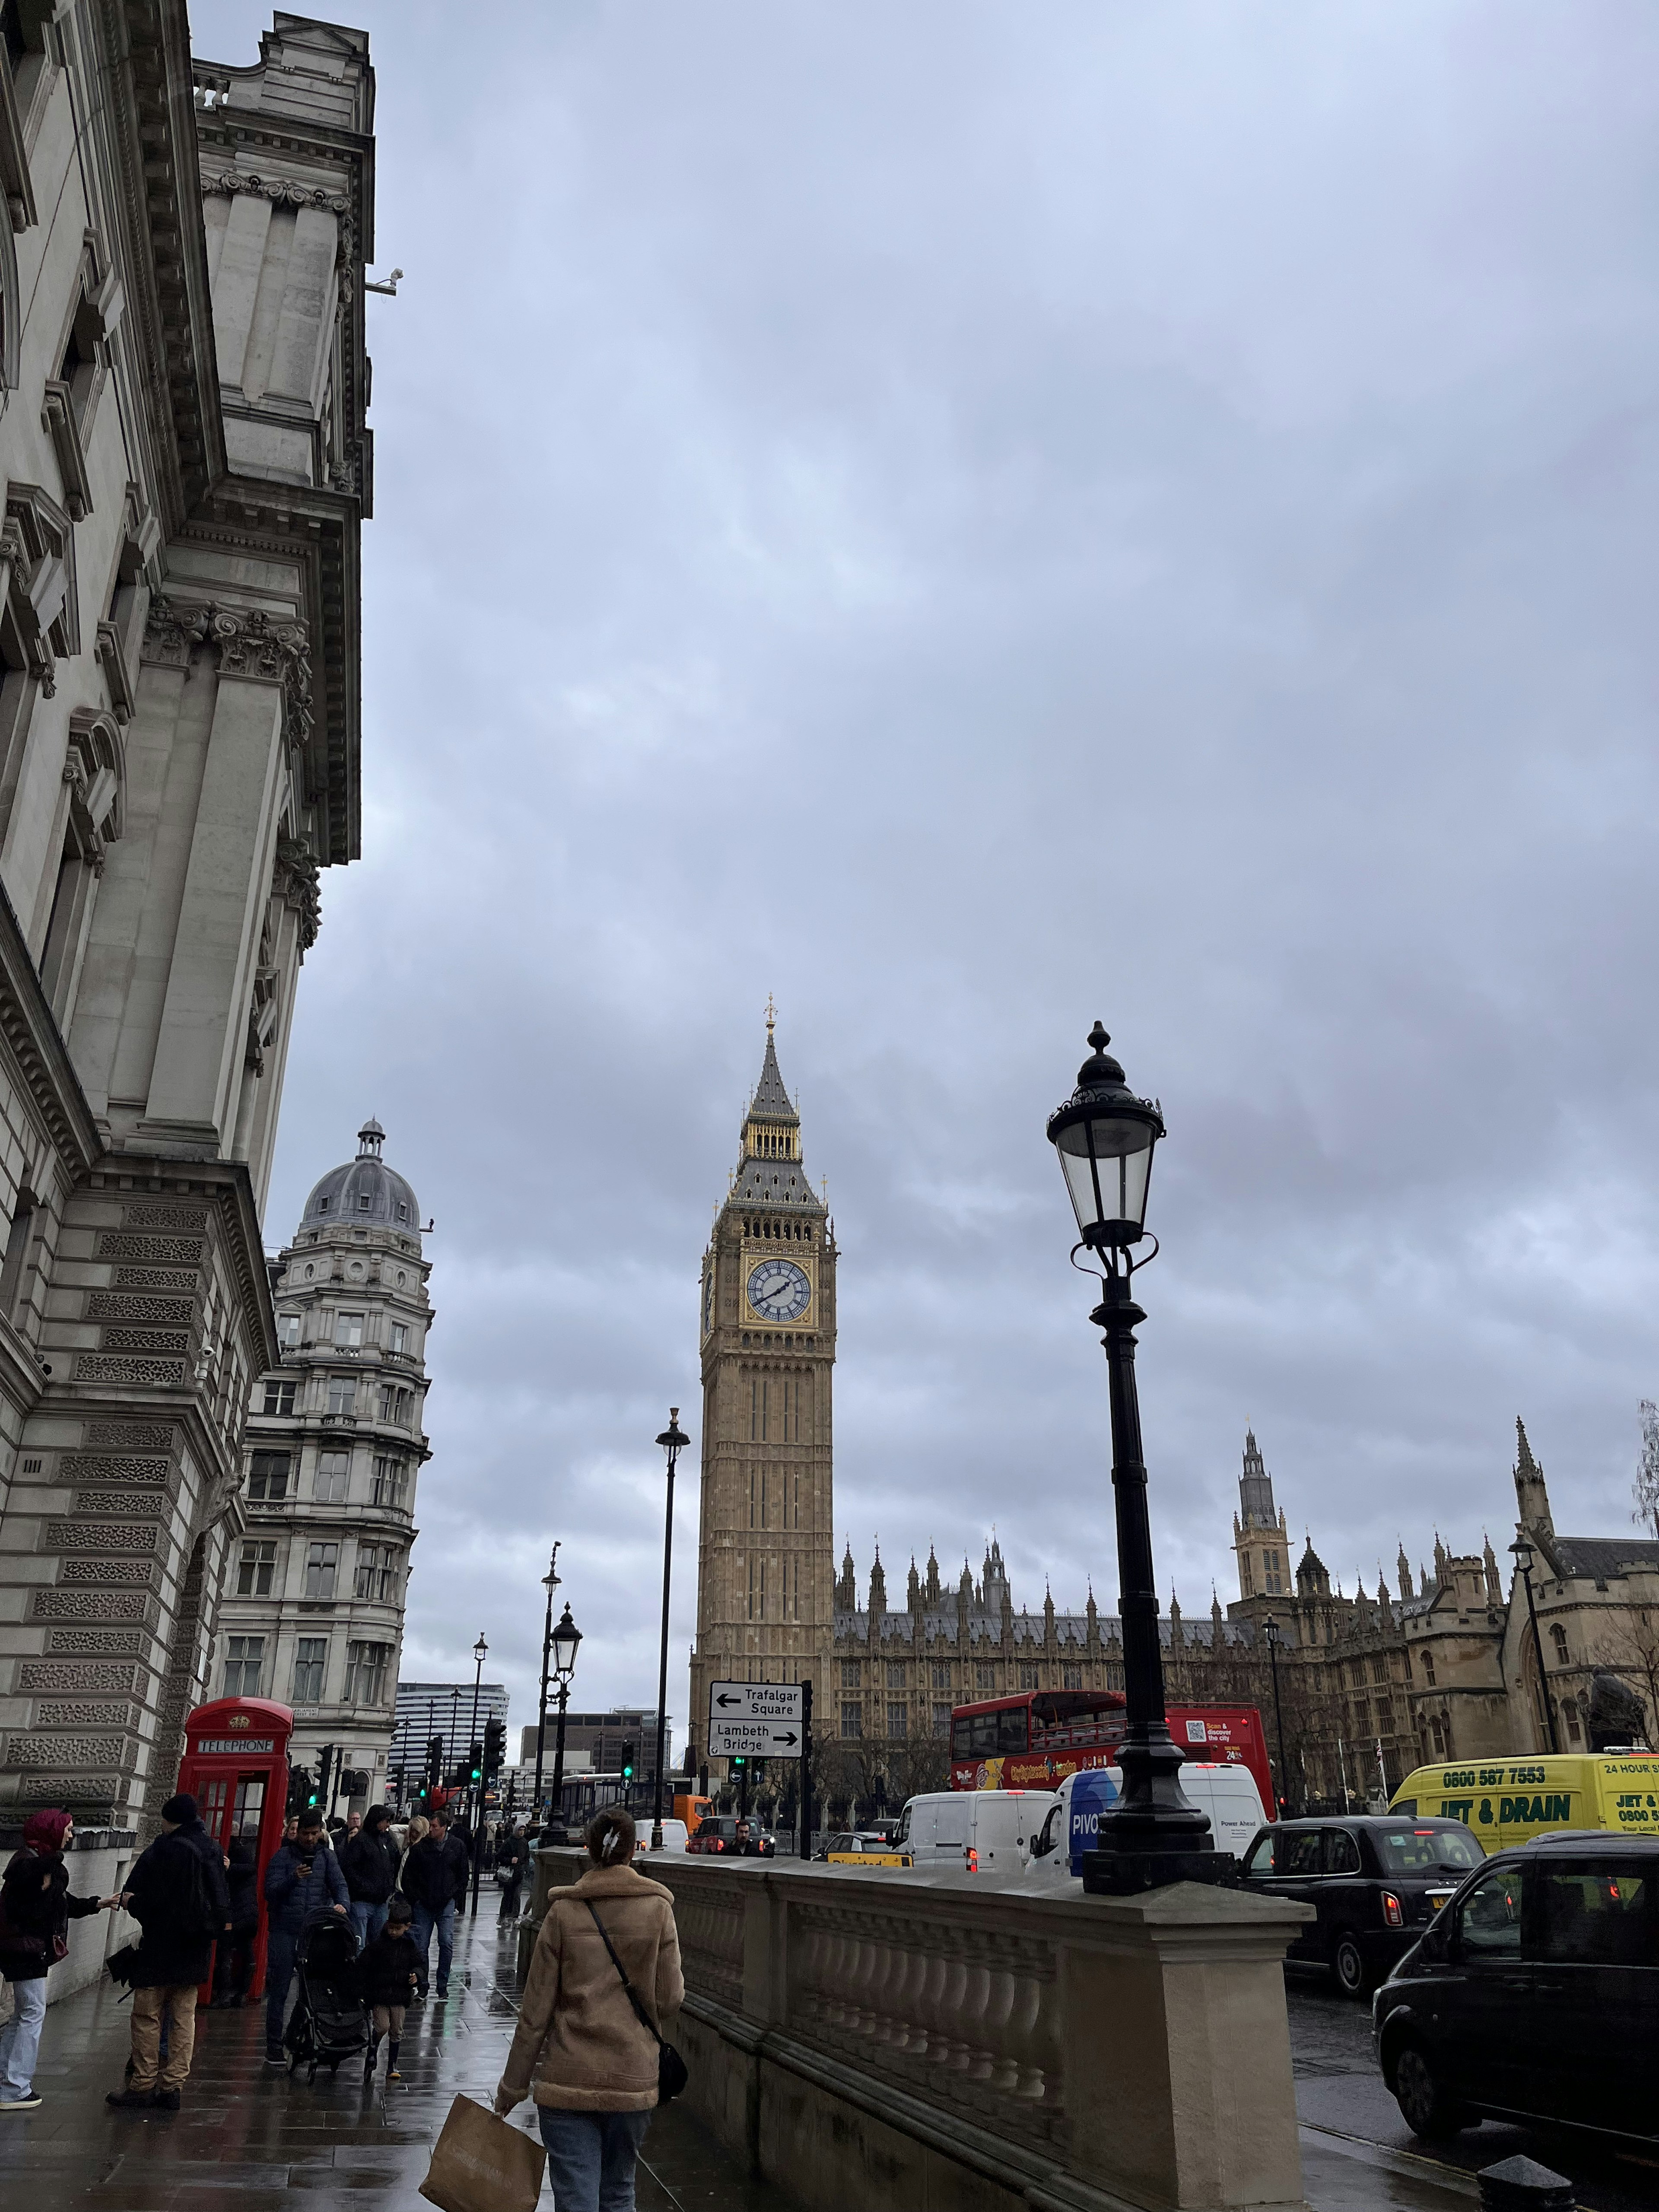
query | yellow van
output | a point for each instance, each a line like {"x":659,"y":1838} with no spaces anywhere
{"x":1511,"y":1801}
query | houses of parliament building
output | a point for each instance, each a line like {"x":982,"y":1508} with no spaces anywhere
{"x":1443,"y":1664}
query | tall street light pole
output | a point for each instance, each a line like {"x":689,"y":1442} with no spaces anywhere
{"x":550,"y":1583}
{"x":1270,"y":1629}
{"x":474,"y":1789}
{"x":1104,"y":1136}
{"x":1524,"y":1557}
{"x":673,"y":1442}
{"x":567,"y":1637}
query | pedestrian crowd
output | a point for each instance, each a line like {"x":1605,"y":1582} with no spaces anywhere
{"x":197,"y":1907}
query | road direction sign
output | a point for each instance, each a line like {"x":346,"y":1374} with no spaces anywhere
{"x":754,"y":1720}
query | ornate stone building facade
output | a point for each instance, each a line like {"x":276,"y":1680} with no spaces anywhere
{"x":312,"y":1610}
{"x":185,"y":466}
{"x":765,"y":1554}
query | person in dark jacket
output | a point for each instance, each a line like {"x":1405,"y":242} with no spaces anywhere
{"x":511,"y":1857}
{"x":178,"y":1894}
{"x":435,"y":1881}
{"x":368,"y":1861}
{"x":233,"y":1969}
{"x":35,"y":1912}
{"x":303,"y":1880}
{"x":390,"y":1970}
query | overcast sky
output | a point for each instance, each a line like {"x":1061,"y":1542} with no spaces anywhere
{"x":971,"y":518}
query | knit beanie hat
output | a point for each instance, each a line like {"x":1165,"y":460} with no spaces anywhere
{"x":179,"y":1809}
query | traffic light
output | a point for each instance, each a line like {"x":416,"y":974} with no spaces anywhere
{"x":435,"y":1759}
{"x":628,"y":1762}
{"x":301,"y":1789}
{"x":739,"y":1762}
{"x":475,"y":1760}
{"x":494,"y":1744}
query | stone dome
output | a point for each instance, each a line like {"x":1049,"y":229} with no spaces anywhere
{"x":365,"y":1192}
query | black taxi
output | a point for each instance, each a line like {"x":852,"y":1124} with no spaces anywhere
{"x":1534,"y":1996}
{"x":1375,"y":1880}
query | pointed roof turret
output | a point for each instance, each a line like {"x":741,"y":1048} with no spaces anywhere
{"x":1532,"y":1498}
{"x":1403,"y":1569}
{"x":1312,"y":1577}
{"x":1256,"y":1488}
{"x":772,"y":1168}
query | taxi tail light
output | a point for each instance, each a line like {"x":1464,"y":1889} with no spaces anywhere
{"x":973,"y":1860}
{"x":1392,"y":1911}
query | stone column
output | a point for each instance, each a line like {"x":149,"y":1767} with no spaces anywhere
{"x":1176,"y":2044}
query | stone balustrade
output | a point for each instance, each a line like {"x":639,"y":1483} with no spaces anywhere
{"x":846,"y":2023}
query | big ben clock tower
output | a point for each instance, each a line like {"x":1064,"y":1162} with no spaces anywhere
{"x":767,"y":1307}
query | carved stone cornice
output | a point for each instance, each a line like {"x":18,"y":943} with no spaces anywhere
{"x":282,"y":192}
{"x":246,"y":641}
{"x":294,"y":880}
{"x":32,"y":1036}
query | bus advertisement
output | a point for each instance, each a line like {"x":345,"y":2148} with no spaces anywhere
{"x":1034,"y":1740}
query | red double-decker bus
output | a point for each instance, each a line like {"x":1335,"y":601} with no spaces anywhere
{"x":1034,"y":1740}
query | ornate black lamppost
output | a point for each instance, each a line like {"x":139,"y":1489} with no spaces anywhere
{"x":549,"y":1584}
{"x":1271,"y":1630}
{"x":1104,"y":1136}
{"x":673,"y":1442}
{"x":566,"y":1637}
{"x":1524,"y":1557}
{"x":474,"y":1789}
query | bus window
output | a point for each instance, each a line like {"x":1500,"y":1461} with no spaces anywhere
{"x":985,"y":1734}
{"x":962,"y":1736}
{"x":1013,"y":1727}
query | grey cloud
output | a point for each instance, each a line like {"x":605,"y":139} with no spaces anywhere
{"x":968,"y":522}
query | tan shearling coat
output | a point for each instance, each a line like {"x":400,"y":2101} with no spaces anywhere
{"x":579,"y":2044}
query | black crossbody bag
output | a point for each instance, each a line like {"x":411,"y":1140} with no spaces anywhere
{"x":671,"y":2076}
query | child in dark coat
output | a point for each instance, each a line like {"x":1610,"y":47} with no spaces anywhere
{"x":391,"y":1969}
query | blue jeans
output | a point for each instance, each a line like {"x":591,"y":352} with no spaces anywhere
{"x":591,"y":2158}
{"x":443,"y":1921}
{"x":20,"y":2039}
{"x":280,"y":1953}
{"x":368,"y":1920}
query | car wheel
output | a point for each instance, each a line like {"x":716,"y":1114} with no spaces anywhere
{"x":1350,"y":1964}
{"x":1421,"y":2096}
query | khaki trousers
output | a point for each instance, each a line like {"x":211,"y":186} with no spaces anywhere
{"x":148,"y":2005}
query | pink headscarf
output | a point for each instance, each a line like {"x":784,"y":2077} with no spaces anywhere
{"x":46,"y":1831}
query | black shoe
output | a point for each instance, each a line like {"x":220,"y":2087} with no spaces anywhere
{"x":130,"y":2100}
{"x":165,"y":2100}
{"x":275,"y":2057}
{"x":29,"y":2103}
{"x":443,"y":1989}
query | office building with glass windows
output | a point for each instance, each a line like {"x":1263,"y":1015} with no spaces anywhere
{"x":312,"y":1610}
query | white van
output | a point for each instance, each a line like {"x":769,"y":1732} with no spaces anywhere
{"x":1223,"y":1789}
{"x":984,"y":1831}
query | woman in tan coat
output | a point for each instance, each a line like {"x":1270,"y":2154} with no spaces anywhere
{"x":580,"y":2051}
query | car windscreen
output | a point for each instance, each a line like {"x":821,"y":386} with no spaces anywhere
{"x":1413,"y":1848}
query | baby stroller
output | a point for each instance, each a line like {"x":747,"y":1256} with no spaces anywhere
{"x":329,"y":2021}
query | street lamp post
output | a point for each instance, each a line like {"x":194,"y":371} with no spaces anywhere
{"x":474,"y":1789}
{"x":1105,"y":1136}
{"x":549,"y":1584}
{"x":1523,"y":1558}
{"x":566,"y":1639}
{"x":1271,"y":1630}
{"x":673,"y":1442}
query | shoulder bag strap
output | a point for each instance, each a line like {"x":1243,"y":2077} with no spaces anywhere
{"x":643,"y":2017}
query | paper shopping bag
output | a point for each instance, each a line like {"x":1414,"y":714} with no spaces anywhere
{"x":480,"y":2163}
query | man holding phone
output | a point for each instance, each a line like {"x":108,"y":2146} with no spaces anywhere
{"x":303,"y":1880}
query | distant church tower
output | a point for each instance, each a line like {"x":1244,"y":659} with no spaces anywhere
{"x":765,"y":1575}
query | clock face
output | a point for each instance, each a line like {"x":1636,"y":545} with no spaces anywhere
{"x":779,"y":1290}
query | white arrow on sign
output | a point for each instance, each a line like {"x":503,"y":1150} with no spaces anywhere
{"x":744,"y":1739}
{"x":754,"y":1701}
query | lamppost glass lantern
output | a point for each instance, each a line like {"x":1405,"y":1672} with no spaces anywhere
{"x":1104,"y":1136}
{"x":566,"y":1637}
{"x":1522,"y":1552}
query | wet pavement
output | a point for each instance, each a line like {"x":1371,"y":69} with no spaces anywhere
{"x":251,"y":2133}
{"x":1350,"y":2120}
{"x":250,"y":2136}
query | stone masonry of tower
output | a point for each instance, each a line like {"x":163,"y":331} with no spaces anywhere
{"x":185,"y":473}
{"x":312,"y":1610}
{"x":765,"y":1568}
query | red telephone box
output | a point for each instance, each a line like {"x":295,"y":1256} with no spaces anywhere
{"x":236,"y":1766}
